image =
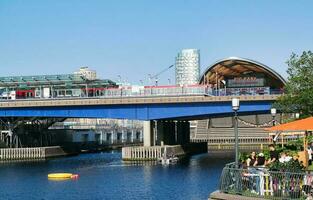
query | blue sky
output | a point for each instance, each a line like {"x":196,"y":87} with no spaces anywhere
{"x":133,"y":38}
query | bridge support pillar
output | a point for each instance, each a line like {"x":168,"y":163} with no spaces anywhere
{"x":148,"y":136}
{"x":112,"y":136}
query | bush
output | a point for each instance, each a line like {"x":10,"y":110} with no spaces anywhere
{"x":291,"y":166}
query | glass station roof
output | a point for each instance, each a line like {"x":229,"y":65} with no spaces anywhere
{"x":41,"y":80}
{"x":236,"y":67}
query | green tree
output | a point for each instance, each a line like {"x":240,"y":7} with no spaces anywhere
{"x":298,"y":95}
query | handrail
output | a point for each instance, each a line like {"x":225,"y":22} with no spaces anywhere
{"x":263,"y":183}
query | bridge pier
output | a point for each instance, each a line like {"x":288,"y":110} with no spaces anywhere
{"x":148,"y":136}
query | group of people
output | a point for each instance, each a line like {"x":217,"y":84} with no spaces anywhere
{"x":260,"y":161}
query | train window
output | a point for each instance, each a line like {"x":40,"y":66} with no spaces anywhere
{"x":68,"y":92}
{"x":37,"y":93}
{"x":61,"y":92}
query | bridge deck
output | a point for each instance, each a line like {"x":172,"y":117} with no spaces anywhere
{"x":127,"y":100}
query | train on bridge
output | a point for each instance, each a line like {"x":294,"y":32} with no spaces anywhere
{"x":110,"y":91}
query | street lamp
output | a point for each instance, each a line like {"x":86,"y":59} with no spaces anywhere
{"x":224,"y":83}
{"x":236,"y":106}
{"x":273,"y":113}
{"x":216,"y":84}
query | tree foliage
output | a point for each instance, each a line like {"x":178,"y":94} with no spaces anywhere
{"x":298,"y":95}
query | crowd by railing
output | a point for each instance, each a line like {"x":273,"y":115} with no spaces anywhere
{"x":261,"y":182}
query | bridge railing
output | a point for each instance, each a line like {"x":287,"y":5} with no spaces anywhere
{"x":154,"y":91}
{"x":260,"y":182}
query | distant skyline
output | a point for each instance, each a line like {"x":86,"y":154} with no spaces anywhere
{"x":134,"y":38}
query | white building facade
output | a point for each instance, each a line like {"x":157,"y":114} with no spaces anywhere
{"x":87,"y":73}
{"x":187,"y":67}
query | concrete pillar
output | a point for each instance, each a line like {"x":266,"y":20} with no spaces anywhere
{"x":133,"y":136}
{"x":148,"y":135}
{"x":141,"y":136}
{"x":112,"y":136}
{"x":123,"y":136}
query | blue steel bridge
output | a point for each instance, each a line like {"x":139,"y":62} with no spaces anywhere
{"x":136,"y":108}
{"x":158,"y":113}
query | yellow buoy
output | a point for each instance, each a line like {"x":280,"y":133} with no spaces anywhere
{"x":60,"y":175}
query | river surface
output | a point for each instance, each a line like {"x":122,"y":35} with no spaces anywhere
{"x":105,"y":176}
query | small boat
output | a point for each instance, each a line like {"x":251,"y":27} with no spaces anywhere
{"x":165,"y":160}
{"x":168,"y":161}
{"x":62,"y":176}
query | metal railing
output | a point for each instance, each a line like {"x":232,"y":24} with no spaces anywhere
{"x":260,"y":182}
{"x":145,"y":91}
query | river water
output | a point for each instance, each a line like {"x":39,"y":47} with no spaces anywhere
{"x":105,"y":176}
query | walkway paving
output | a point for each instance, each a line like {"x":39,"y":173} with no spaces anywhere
{"x":217,"y":195}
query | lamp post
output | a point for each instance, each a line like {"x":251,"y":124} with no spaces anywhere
{"x":235,"y":106}
{"x":273,"y":113}
{"x":224,"y":83}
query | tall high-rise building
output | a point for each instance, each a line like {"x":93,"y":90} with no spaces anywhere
{"x":187,"y":67}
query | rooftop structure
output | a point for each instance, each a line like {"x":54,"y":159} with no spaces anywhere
{"x":239,"y":76}
{"x":240,"y":72}
{"x":50,"y":80}
{"x":87,"y":73}
{"x":61,"y":85}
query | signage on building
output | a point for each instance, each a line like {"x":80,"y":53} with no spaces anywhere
{"x":245,"y":82}
{"x":248,"y":91}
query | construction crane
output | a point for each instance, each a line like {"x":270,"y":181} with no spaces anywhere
{"x":156,"y":76}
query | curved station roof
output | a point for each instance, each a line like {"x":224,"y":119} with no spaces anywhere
{"x":239,"y":67}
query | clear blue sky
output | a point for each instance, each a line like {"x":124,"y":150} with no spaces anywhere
{"x":134,"y":38}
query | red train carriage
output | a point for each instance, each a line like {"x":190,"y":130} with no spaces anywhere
{"x":25,"y":94}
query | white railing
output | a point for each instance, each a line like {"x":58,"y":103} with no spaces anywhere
{"x":22,"y":153}
{"x":150,"y":153}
